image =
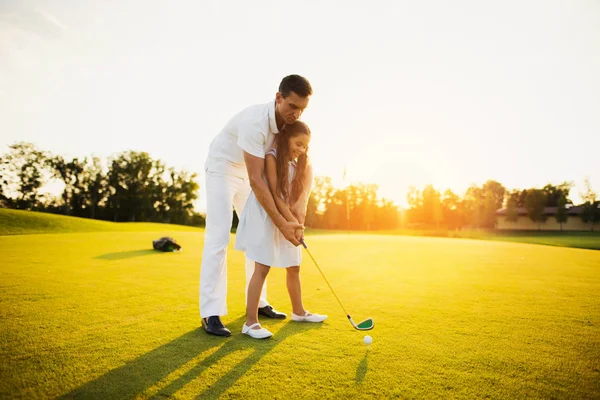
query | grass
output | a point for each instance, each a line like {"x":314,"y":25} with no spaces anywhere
{"x":97,"y":314}
{"x":576,"y":239}
{"x":581,"y":240}
{"x":18,"y":222}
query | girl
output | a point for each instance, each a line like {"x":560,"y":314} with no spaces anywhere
{"x":286,"y":168}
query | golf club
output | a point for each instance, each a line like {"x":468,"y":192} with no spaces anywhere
{"x":365,"y":325}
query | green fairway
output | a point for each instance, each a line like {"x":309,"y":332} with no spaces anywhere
{"x":99,"y":315}
{"x":18,"y":222}
{"x":576,"y":239}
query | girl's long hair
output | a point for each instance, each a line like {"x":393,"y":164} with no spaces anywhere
{"x":283,"y":158}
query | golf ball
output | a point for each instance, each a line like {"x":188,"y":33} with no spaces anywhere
{"x":368,"y":340}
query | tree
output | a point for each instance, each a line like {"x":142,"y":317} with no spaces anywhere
{"x":591,"y":207}
{"x":356,"y":207}
{"x":71,"y":174}
{"x":132,"y":188}
{"x":319,"y":199}
{"x":22,"y":175}
{"x":432,"y":206}
{"x":561,"y":211}
{"x":387,"y":215}
{"x":311,"y":212}
{"x":493,"y":198}
{"x":511,"y":206}
{"x":182,"y":189}
{"x":361,"y":200}
{"x":588,"y":195}
{"x":555,"y":193}
{"x":490,"y":207}
{"x":414,"y":214}
{"x":96,"y":186}
{"x":535,"y":202}
{"x":135,"y":187}
{"x":495,"y":192}
{"x":451,"y":210}
{"x":473,"y":206}
{"x":591,"y":213}
{"x":334,"y":216}
{"x":198,"y":220}
{"x":5,"y":200}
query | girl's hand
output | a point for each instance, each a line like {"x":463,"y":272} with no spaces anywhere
{"x":289,"y":229}
{"x":299,"y":234}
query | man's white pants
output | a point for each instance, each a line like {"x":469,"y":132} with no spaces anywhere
{"x":223,"y":193}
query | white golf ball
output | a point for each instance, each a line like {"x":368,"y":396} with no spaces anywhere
{"x":368,"y":340}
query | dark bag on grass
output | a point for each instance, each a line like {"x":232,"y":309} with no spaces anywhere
{"x":166,"y":244}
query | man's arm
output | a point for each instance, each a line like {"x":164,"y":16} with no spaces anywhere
{"x":256,"y":166}
{"x":271,"y":172}
{"x":299,"y":207}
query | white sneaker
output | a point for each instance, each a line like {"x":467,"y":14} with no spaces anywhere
{"x":261,"y":333}
{"x":308,"y":317}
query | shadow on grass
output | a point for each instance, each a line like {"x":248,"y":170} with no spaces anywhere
{"x":121,"y":255}
{"x":261,"y":348}
{"x":362,"y":368}
{"x":151,"y":368}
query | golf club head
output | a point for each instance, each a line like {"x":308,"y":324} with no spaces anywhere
{"x":365,"y":325}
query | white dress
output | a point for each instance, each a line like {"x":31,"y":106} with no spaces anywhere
{"x":259,"y":237}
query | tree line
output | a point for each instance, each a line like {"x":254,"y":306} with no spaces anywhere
{"x":477,"y":208}
{"x":133,"y":187}
{"x":356,"y":207}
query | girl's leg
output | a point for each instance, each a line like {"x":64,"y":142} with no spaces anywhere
{"x":254,"y":289}
{"x":295,"y":290}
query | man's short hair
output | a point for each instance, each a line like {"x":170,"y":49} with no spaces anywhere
{"x":296,"y":84}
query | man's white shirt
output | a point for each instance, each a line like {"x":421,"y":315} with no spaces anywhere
{"x":252,"y":130}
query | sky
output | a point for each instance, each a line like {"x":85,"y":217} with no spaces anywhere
{"x":406,"y":93}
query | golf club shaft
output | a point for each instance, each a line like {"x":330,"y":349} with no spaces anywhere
{"x":324,"y":277}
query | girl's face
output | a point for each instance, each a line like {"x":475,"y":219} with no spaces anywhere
{"x":298,"y":144}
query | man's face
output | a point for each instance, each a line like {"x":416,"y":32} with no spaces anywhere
{"x":292,"y":107}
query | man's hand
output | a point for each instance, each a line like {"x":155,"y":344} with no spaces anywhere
{"x":299,"y":211}
{"x":289,"y":229}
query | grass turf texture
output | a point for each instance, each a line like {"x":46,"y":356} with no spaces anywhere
{"x":577,"y":239}
{"x":98,"y":315}
{"x":18,"y":222}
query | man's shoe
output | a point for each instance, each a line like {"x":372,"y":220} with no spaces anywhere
{"x":268,"y":312}
{"x":214,"y":326}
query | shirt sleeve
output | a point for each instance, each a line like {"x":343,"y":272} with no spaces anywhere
{"x":252,"y":140}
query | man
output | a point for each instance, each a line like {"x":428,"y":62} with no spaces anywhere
{"x":234,"y":166}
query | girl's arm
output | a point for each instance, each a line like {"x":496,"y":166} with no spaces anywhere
{"x":299,"y":207}
{"x":256,"y":167}
{"x":271,"y":169}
